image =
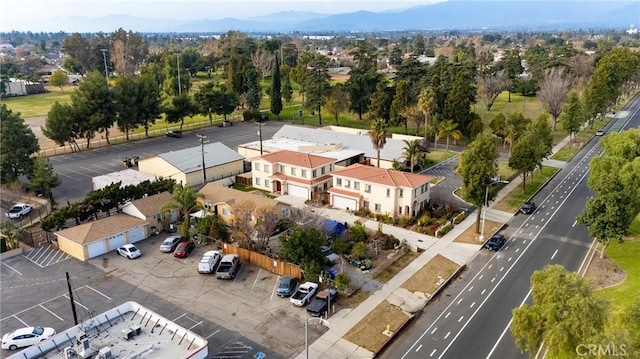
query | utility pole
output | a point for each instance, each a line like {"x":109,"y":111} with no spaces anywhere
{"x":106,"y":72}
{"x":202,"y":139}
{"x":73,"y":304}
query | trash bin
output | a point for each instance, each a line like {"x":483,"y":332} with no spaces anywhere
{"x":299,"y":114}
{"x":333,"y":273}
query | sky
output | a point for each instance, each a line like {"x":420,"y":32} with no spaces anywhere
{"x":14,"y":14}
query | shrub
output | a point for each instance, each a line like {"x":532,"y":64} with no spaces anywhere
{"x":343,"y":279}
{"x":363,"y":212}
{"x":389,"y":241}
{"x":445,"y":229}
{"x":357,"y":232}
{"x":251,"y":115}
{"x":360,"y":251}
{"x":406,"y":221}
{"x":459,"y":217}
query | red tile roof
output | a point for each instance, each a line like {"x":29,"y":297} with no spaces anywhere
{"x":298,"y":159}
{"x":383,"y":176}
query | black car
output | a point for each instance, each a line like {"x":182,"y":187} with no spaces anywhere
{"x":174,"y":134}
{"x":528,"y":208}
{"x":495,"y":242}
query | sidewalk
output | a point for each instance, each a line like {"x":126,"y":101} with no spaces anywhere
{"x":331,"y":344}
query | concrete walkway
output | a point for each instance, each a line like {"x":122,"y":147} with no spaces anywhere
{"x":331,"y":344}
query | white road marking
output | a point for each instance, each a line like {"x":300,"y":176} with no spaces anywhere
{"x":212,"y":334}
{"x":472,"y":304}
{"x":195,"y":325}
{"x":434,"y":330}
{"x":10,"y":267}
{"x":78,"y":303}
{"x":459,"y":301}
{"x":433,"y":352}
{"x":97,"y":291}
{"x":256,"y":281}
{"x":501,"y":269}
{"x":470,"y":288}
{"x":480,"y":277}
{"x":21,"y":321}
{"x":460,"y":319}
{"x":447,"y":336}
{"x":275,"y":287}
{"x":517,"y":250}
{"x":554,"y":254}
{"x":179,"y":317}
{"x":418,"y":348}
{"x":493,"y":279}
{"x":448,"y":314}
{"x":574,"y":223}
{"x":482,"y":293}
{"x":509,"y":260}
{"x":507,"y":327}
{"x":52,"y":313}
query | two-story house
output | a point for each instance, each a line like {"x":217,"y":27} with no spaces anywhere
{"x":294,"y":173}
{"x":380,"y":190}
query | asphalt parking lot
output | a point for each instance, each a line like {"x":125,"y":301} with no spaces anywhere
{"x":239,"y":318}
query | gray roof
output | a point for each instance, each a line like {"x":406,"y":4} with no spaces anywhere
{"x":190,"y":159}
{"x":392,"y":150}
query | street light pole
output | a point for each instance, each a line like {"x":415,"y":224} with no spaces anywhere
{"x":306,"y":332}
{"x":202,"y":139}
{"x":485,"y":206}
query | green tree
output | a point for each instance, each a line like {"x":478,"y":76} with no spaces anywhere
{"x":58,"y":79}
{"x":363,"y":79}
{"x":540,"y":130}
{"x":338,"y":101}
{"x":572,"y":116}
{"x":512,"y":65}
{"x":381,"y":102}
{"x":426,"y":102}
{"x":44,"y":177}
{"x":254,"y":92}
{"x":94,"y":106}
{"x":78,"y":48}
{"x":318,"y":85}
{"x":184,"y":200}
{"x":60,"y":125}
{"x":205,"y":98}
{"x":378,"y":136}
{"x":276,"y":89}
{"x":477,"y":166}
{"x":302,"y":245}
{"x":449,"y":129}
{"x":287,"y":90}
{"x":458,"y":102}
{"x":178,"y":108}
{"x":225,"y":102}
{"x":523,"y":158}
{"x":18,"y":143}
{"x":564,"y":314}
{"x":400,"y":102}
{"x":149,"y":103}
{"x":411,"y":152}
{"x":125,"y":93}
{"x":515,"y":125}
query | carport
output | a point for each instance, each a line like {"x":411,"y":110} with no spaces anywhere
{"x":96,"y":238}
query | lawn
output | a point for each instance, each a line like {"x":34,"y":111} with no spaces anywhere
{"x":37,"y":105}
{"x":626,"y":256}
{"x":530,"y":107}
{"x":517,"y":197}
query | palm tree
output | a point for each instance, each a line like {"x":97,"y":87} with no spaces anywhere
{"x":184,"y":200}
{"x":378,"y":135}
{"x":426,"y":101}
{"x":449,"y":129}
{"x":411,"y":151}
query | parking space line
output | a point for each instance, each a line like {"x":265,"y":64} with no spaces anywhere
{"x":256,"y":281}
{"x":238,"y":274}
{"x":275,"y":287}
{"x":97,"y":291}
{"x":10,"y":267}
{"x":78,"y":303}
{"x":52,"y":313}
{"x":21,"y":321}
{"x":212,"y":334}
{"x":195,"y":325}
{"x":179,"y":317}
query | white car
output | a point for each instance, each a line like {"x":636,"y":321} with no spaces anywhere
{"x":130,"y":251}
{"x":25,"y":337}
{"x":19,"y":210}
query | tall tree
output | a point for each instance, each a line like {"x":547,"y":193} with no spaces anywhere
{"x":178,"y":108}
{"x":414,"y":117}
{"x":553,"y":91}
{"x":449,"y":129}
{"x":457,"y":106}
{"x":541,"y":134}
{"x":318,"y":85}
{"x":94,"y":105}
{"x":515,"y":125}
{"x":125,"y":93}
{"x":381,"y":102}
{"x":400,"y":102}
{"x":512,"y":65}
{"x":78,"y":48}
{"x":254,"y":92}
{"x":205,"y":98}
{"x":572,"y":116}
{"x":523,"y":158}
{"x":426,"y":101}
{"x":477,"y":166}
{"x":564,"y":314}
{"x":378,"y":135}
{"x":128,"y":51}
{"x":363,"y":79}
{"x":490,"y":86}
{"x":411,"y":152}
{"x":18,"y":143}
{"x":225,"y":102}
{"x":149,"y":102}
{"x":60,"y":125}
{"x":59,"y":79}
{"x":287,"y":90}
{"x":184,"y":200}
{"x":276,"y":89}
{"x":44,"y":177}
{"x":338,"y":101}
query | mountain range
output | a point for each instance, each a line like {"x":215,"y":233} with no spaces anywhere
{"x":449,"y":15}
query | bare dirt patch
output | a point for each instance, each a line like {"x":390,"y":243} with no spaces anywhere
{"x":339,"y":78}
{"x":431,"y":276}
{"x":368,"y":332}
{"x":398,"y":265}
{"x":504,"y":205}
{"x":471,"y":237}
{"x":604,"y":272}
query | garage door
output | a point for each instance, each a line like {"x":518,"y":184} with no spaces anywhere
{"x":136,"y":235}
{"x":344,"y":203}
{"x":117,"y":241}
{"x":95,"y":248}
{"x":298,"y":191}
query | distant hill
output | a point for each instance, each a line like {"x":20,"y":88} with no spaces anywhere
{"x":449,"y":15}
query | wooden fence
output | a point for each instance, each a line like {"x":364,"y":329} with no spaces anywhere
{"x":264,"y":262}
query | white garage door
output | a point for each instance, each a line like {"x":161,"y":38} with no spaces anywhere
{"x":136,"y":235}
{"x":117,"y":241}
{"x":298,"y":191}
{"x":95,"y":248}
{"x":344,"y":203}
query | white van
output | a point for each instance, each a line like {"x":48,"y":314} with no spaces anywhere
{"x":208,"y":262}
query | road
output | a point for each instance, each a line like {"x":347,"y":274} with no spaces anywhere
{"x":76,"y":170}
{"x":470,"y":319}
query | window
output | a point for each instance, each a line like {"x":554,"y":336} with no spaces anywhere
{"x":378,"y":207}
{"x":285,"y":212}
{"x":347,"y":184}
{"x":400,"y":210}
{"x":365,"y":204}
{"x":401,"y":194}
{"x":267,"y":183}
{"x":293,"y":171}
{"x":326,"y":186}
{"x":322,"y":170}
{"x":388,"y":192}
{"x":257,"y":181}
{"x":338,"y":181}
{"x":314,"y":174}
{"x":226,"y":212}
{"x":424,"y":188}
{"x":256,"y":166}
{"x":282,"y":168}
{"x":267,"y":168}
{"x":367,"y":188}
{"x":356,"y":185}
{"x":304,"y":173}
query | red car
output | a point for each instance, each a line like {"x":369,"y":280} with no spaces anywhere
{"x":184,"y":249}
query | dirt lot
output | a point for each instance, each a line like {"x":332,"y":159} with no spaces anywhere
{"x":368,"y":333}
{"x":430,"y":277}
{"x":470,"y":236}
{"x":604,"y":272}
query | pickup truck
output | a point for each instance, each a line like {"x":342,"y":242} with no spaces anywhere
{"x":304,"y":294}
{"x":322,"y":301}
{"x":228,"y":267}
{"x":19,"y":210}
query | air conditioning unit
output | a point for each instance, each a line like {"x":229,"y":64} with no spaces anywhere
{"x":104,"y":353}
{"x":69,"y":353}
{"x":127,"y":334}
{"x":136,"y":329}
